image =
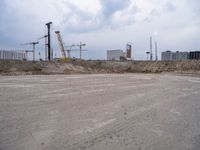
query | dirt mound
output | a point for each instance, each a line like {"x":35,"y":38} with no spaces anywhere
{"x":86,"y":67}
{"x":140,"y":66}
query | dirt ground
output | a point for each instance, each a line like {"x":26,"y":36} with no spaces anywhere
{"x":96,"y":67}
{"x":100,"y":112}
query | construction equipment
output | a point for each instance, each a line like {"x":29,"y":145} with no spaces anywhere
{"x":49,"y":40}
{"x":46,"y":45}
{"x":80,"y":46}
{"x":60,"y":41}
{"x":33,"y":44}
{"x":69,"y":49}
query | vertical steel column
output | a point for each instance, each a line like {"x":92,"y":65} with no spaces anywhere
{"x":151,"y":51}
{"x":80,"y":50}
{"x":49,"y":40}
{"x":156,"y":51}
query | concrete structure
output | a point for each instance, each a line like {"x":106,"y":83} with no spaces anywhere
{"x":116,"y":55}
{"x":12,"y":55}
{"x":194,"y":55}
{"x":129,"y":51}
{"x":169,"y":55}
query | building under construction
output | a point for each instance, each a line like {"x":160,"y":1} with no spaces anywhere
{"x":13,"y":55}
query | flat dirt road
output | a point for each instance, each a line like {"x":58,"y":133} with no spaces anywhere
{"x":100,"y":112}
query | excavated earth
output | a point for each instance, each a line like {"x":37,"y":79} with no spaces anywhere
{"x":93,"y":67}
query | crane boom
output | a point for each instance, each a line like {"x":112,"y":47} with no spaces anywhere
{"x":61,"y":44}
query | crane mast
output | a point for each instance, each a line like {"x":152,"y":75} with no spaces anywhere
{"x":46,"y":45}
{"x":61,"y":44}
{"x":33,"y":44}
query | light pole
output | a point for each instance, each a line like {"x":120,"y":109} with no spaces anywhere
{"x":156,"y":51}
{"x":147,"y":55}
{"x":151,"y":49}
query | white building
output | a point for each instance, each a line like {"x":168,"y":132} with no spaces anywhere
{"x":116,"y":55}
{"x":169,"y":55}
{"x":12,"y":55}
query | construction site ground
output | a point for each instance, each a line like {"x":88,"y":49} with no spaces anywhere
{"x":97,"y":66}
{"x":100,"y":112}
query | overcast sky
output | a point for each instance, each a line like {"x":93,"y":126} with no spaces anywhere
{"x":102,"y":24}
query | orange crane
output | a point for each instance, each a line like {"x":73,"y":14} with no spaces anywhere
{"x":60,"y":41}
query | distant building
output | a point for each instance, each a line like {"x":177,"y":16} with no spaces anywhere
{"x":181,"y":55}
{"x":116,"y":55}
{"x":194,"y":55}
{"x":169,"y":55}
{"x":12,"y":55}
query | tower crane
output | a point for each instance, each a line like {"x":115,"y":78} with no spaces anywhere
{"x":60,"y":41}
{"x":33,"y":44}
{"x":69,"y":49}
{"x":46,"y":45}
{"x":80,"y":46}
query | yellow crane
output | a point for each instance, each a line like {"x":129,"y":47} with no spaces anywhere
{"x":64,"y":57}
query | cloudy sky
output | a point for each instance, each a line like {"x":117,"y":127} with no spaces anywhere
{"x":102,"y":24}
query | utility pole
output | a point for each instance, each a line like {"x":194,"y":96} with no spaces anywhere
{"x":156,"y":51}
{"x":151,"y":49}
{"x":49,"y":39}
{"x":147,"y":55}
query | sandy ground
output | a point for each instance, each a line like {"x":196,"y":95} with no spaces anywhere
{"x":100,"y":67}
{"x":100,"y":112}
